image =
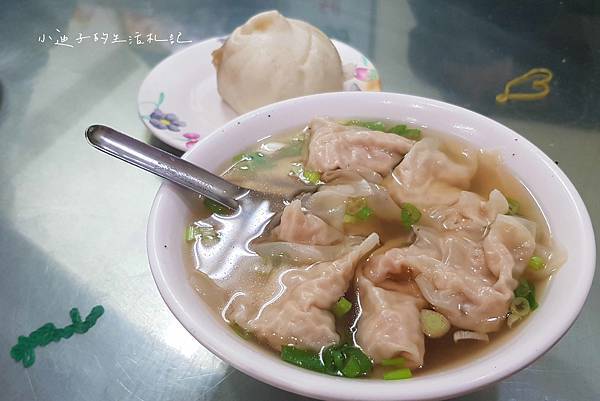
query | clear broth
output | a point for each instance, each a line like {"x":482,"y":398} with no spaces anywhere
{"x":441,"y":354}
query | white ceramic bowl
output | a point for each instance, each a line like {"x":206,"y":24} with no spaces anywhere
{"x":560,"y":305}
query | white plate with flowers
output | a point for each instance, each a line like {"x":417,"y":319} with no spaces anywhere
{"x":179,"y":103}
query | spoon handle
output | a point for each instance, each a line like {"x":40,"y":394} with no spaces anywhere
{"x":164,"y":165}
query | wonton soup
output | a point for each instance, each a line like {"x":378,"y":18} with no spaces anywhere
{"x":409,"y":252}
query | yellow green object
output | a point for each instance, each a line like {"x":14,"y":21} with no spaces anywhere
{"x":540,"y":81}
{"x":410,"y":215}
{"x":404,"y":373}
{"x":536,"y":263}
{"x":341,"y":307}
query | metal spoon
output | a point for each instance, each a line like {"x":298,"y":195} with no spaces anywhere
{"x":165,"y":165}
{"x":254,"y":213}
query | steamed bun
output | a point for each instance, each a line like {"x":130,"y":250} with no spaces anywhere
{"x":272,"y":58}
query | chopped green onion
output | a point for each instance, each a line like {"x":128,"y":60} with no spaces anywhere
{"x":527,"y":290}
{"x":434,"y":324}
{"x":398,"y":362}
{"x":410,"y":215}
{"x":251,"y":161}
{"x":296,"y":169}
{"x":341,"y":307}
{"x":348,"y":219}
{"x":342,"y":360}
{"x":312,"y":177}
{"x":512,"y":319}
{"x":207,"y":234}
{"x":240,"y":331}
{"x":513,"y":207}
{"x":398,"y":374}
{"x":371,"y":125}
{"x":363,"y":360}
{"x":352,"y":368}
{"x":304,"y":359}
{"x":190,"y":233}
{"x":215,"y":207}
{"x":242,"y":157}
{"x":402,"y":130}
{"x":295,"y":148}
{"x":523,"y":303}
{"x":353,"y":205}
{"x":523,"y":289}
{"x":364,"y":213}
{"x":357,"y":210}
{"x":346,"y":360}
{"x":536,"y":263}
{"x":531,"y":299}
{"x":338,"y":359}
{"x":306,"y":176}
{"x":520,"y":307}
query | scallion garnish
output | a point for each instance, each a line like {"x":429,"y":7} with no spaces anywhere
{"x":339,"y":360}
{"x":295,"y":148}
{"x":512,"y":319}
{"x":397,"y":362}
{"x":398,"y":374}
{"x":536,"y":263}
{"x":357,"y":210}
{"x":302,"y":358}
{"x":352,"y":367}
{"x":207,"y":234}
{"x":190,"y":233}
{"x":215,"y":207}
{"x":520,"y":307}
{"x":364,"y":362}
{"x":403,"y":130}
{"x":434,"y":324}
{"x":309,"y":177}
{"x":371,"y":125}
{"x":410,"y":215}
{"x":251,"y":161}
{"x":312,"y":177}
{"x":341,"y":307}
{"x":364,"y":213}
{"x":527,"y":290}
{"x":240,"y":331}
{"x":513,"y":207}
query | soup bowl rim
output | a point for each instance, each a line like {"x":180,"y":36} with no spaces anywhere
{"x":206,"y":327}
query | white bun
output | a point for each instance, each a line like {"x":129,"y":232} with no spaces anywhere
{"x":272,"y":58}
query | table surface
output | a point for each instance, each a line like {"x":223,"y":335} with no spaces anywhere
{"x":73,"y":221}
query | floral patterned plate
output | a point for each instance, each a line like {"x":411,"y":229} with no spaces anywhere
{"x":179,"y":103}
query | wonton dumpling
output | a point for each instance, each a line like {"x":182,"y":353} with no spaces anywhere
{"x":470,"y":282}
{"x":508,"y":247}
{"x":389,"y":325}
{"x":305,"y":228}
{"x":470,"y":214}
{"x":428,"y":177}
{"x":336,"y":146}
{"x":328,"y":203}
{"x":272,"y":58}
{"x":294,"y":306}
